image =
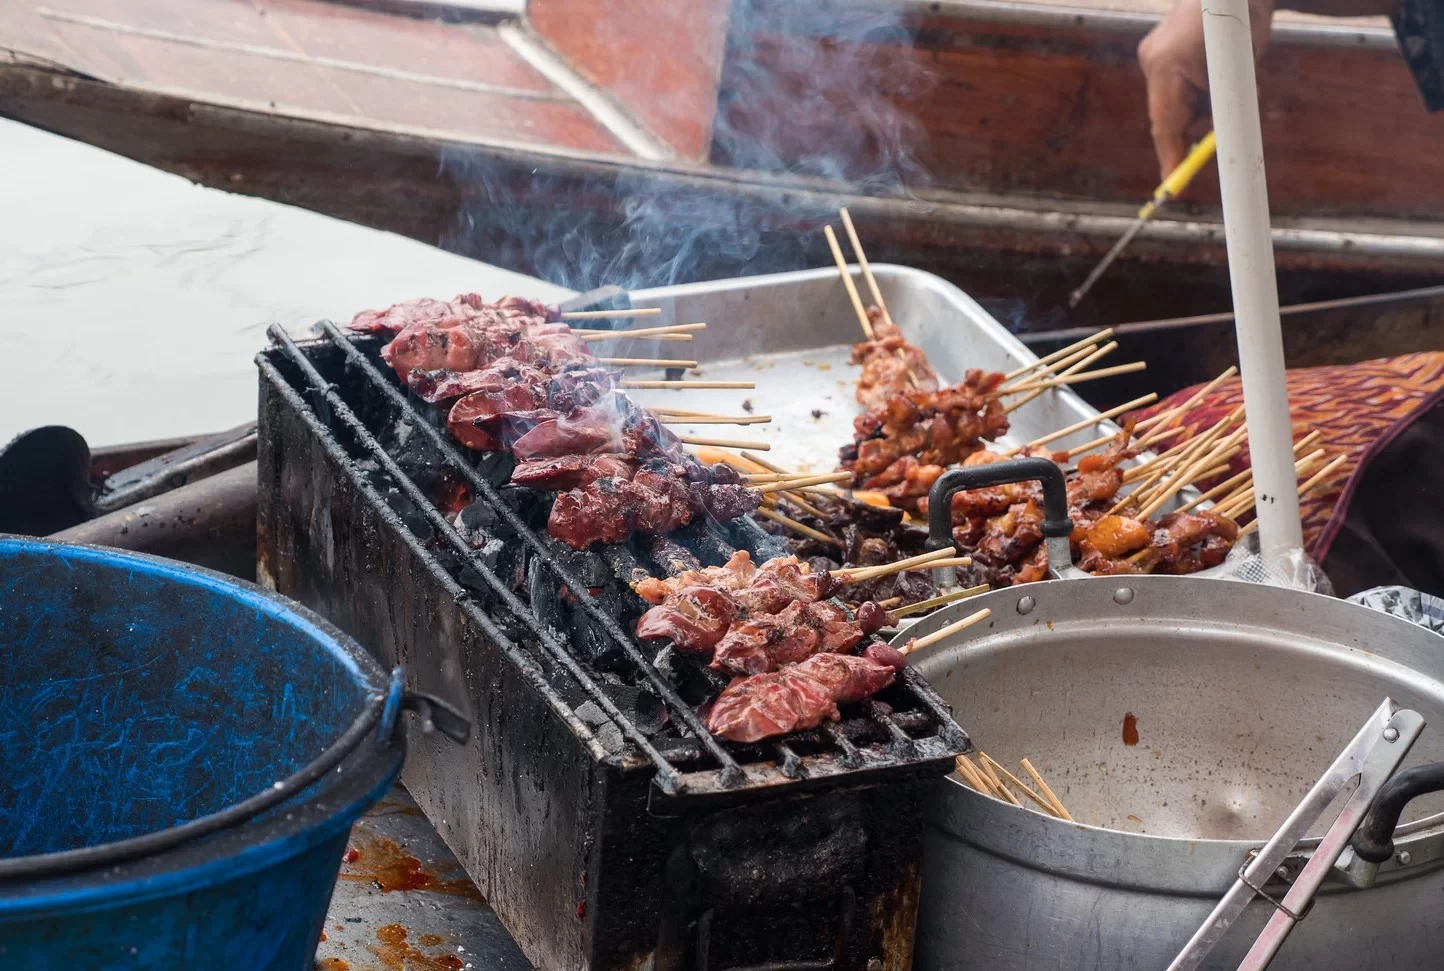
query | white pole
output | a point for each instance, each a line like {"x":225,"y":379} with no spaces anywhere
{"x":1234,"y":93}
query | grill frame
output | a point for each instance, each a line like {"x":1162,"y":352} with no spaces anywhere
{"x":593,"y":830}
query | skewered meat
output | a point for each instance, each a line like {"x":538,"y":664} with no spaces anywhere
{"x":694,"y":619}
{"x":572,"y":471}
{"x":734,"y":574}
{"x":889,"y":364}
{"x":398,"y":317}
{"x":764,"y":642}
{"x":658,"y":498}
{"x":798,"y":696}
{"x":921,"y":428}
{"x":1189,"y":542}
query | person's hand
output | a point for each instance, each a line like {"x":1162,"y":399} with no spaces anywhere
{"x":1176,"y":72}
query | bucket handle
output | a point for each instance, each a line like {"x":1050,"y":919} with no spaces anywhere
{"x":1374,"y":842}
{"x":1056,"y":527}
{"x":435,"y":714}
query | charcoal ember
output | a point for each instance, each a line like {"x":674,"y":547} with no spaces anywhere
{"x":544,"y":592}
{"x":591,"y":637}
{"x":608,"y":734}
{"x":670,"y":556}
{"x":706,"y":541}
{"x":693,"y":680}
{"x":588,"y":567}
{"x":407,"y":511}
{"x":532,"y":505}
{"x":495,"y":467}
{"x":642,"y":707}
{"x":418,"y":455}
{"x":749,"y":536}
{"x":624,"y":564}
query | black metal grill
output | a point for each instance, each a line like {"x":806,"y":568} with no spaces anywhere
{"x":350,"y":523}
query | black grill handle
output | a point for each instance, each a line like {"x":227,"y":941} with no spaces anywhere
{"x":1374,"y":841}
{"x":1055,"y":495}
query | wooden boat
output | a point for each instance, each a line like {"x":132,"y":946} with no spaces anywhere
{"x":1001,"y":145}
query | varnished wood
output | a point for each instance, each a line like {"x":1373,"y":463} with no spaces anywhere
{"x":955,"y":99}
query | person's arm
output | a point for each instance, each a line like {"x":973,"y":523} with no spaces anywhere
{"x":1176,"y":71}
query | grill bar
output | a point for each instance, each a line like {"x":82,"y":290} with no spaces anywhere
{"x":731,"y":772}
{"x":667,"y":776}
{"x":534,"y":675}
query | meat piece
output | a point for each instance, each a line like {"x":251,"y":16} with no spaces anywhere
{"x":572,"y":471}
{"x":780,"y":581}
{"x":430,"y":345}
{"x":694,"y":619}
{"x":397,"y":317}
{"x":1115,"y":536}
{"x":764,"y":642}
{"x":796,"y":697}
{"x":1181,"y":540}
{"x":599,"y":512}
{"x":498,"y":377}
{"x":585,"y":430}
{"x":733,"y":575}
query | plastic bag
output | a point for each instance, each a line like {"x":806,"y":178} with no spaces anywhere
{"x":1298,"y":571}
{"x":1405,"y":603}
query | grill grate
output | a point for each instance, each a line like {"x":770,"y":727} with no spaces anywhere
{"x":930,"y":734}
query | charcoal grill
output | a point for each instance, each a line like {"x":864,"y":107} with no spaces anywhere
{"x":604,"y":824}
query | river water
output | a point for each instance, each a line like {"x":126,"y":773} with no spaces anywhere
{"x":132,"y":301}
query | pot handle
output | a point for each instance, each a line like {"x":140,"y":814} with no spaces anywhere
{"x":1057,"y":527}
{"x":1374,"y":842}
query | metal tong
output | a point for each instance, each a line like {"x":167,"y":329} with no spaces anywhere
{"x":1371,"y":758}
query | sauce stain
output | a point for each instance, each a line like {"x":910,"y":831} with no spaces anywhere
{"x":396,"y":953}
{"x":332,"y":964}
{"x":431,"y":940}
{"x":323,"y":936}
{"x":382,"y":861}
{"x":1130,"y":729}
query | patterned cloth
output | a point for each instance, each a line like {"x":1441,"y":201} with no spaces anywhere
{"x":1358,"y":409}
{"x":1419,"y":25}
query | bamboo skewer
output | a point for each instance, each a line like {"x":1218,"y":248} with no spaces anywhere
{"x":1057,"y":365}
{"x":714,"y":419}
{"x":607,"y":335}
{"x":863,"y":264}
{"x":1079,"y":378}
{"x":602,"y":335}
{"x":1047,"y":791}
{"x":1175,"y":459}
{"x":723,"y":442}
{"x":972,"y":776}
{"x":1201,"y":454}
{"x":847,"y":282}
{"x":1304,"y":490}
{"x":918,"y":643}
{"x":694,"y":385}
{"x":792,"y":524}
{"x":791,"y":484}
{"x":646,"y":362}
{"x":1087,"y":422}
{"x":860,"y":573}
{"x":985,"y":766}
{"x":1017,"y":783}
{"x":1183,"y":478}
{"x":1234,"y":484}
{"x":950,"y":562}
{"x":1162,"y":418}
{"x":611,"y":314}
{"x":1236,"y":506}
{"x":791,"y":497}
{"x":1079,"y":365}
{"x":1060,"y":353}
{"x":939,"y":601}
{"x":1102,"y":440}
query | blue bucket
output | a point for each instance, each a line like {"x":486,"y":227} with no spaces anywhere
{"x":184,"y":756}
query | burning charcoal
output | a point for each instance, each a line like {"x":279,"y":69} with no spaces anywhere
{"x":586,"y":566}
{"x":671,"y":557}
{"x":608,"y":734}
{"x":544,"y":592}
{"x":706,"y":540}
{"x":694,"y":681}
{"x":623,"y":564}
{"x":595,"y":643}
{"x":642,"y":707}
{"x":751,"y":537}
{"x":533,"y":506}
{"x":496,"y":467}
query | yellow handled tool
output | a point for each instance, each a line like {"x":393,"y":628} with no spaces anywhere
{"x":1169,"y":188}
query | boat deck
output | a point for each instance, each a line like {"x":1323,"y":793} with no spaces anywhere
{"x":322,"y":61}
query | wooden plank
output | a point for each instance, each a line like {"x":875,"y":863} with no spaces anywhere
{"x":951,"y":100}
{"x":567,"y":218}
{"x":658,"y":59}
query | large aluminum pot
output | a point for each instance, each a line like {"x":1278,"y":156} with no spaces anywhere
{"x":1240,"y":696}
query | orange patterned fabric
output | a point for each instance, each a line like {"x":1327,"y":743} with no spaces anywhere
{"x":1358,"y":409}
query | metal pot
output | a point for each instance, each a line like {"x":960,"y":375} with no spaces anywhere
{"x":1179,"y":720}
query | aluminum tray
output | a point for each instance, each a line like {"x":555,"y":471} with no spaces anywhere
{"x":792,"y":334}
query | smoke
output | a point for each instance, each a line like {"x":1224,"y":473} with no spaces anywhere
{"x":825,"y":93}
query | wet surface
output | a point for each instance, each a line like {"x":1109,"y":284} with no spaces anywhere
{"x":403,"y":903}
{"x":137,"y":300}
